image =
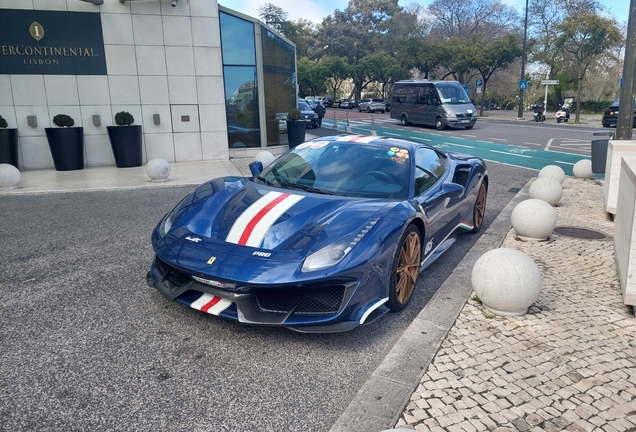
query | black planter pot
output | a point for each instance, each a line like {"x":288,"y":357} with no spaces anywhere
{"x":9,"y":146}
{"x":296,"y":132}
{"x":67,"y":147}
{"x":126,"y":144}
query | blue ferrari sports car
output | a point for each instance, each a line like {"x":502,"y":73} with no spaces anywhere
{"x":331,"y":235}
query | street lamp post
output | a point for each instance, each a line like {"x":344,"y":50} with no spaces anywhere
{"x":523,"y":64}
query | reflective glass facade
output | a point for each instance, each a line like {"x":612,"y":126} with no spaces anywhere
{"x":253,"y":54}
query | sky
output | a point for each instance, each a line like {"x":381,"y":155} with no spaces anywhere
{"x":316,"y":10}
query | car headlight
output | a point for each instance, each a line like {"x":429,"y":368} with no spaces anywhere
{"x":335,"y":252}
{"x":451,"y":115}
{"x":166,"y":223}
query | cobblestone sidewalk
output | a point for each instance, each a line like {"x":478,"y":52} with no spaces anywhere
{"x":569,"y":364}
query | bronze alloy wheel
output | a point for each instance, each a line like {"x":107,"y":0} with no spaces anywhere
{"x":407,"y":268}
{"x":480,"y":207}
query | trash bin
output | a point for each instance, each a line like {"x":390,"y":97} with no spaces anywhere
{"x":599,"y":150}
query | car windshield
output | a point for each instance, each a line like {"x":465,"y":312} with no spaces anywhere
{"x":303,"y":106}
{"x":342,"y":168}
{"x":452,"y":93}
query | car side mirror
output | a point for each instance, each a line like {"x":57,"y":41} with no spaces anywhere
{"x":256,"y":168}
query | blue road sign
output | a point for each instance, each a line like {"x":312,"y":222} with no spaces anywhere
{"x":479,"y":83}
{"x":523,"y":85}
{"x":620,"y":83}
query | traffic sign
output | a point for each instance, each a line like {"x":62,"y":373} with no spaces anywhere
{"x":479,"y":83}
{"x":550,"y":82}
{"x":523,"y":85}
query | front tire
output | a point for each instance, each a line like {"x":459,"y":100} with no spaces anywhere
{"x":439,"y":124}
{"x":369,"y":110}
{"x":479,"y":210}
{"x":405,"y":269}
{"x":469,"y":127}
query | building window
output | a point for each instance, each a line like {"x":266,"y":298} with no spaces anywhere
{"x":237,"y":41}
{"x":279,"y":67}
{"x":241,"y":105}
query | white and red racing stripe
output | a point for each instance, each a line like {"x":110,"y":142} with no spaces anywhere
{"x":250,"y":228}
{"x":211,"y":304}
{"x":357,"y":138}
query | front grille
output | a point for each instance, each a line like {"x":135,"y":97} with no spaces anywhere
{"x":172,"y":274}
{"x":322,"y":300}
{"x":463,"y":115}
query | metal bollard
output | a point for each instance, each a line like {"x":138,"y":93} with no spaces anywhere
{"x":373,"y":127}
{"x":348,"y":127}
{"x":335,"y":126}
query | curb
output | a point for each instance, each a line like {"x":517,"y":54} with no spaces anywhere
{"x":381,"y":400}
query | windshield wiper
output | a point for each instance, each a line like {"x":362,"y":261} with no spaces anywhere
{"x":308,"y":188}
{"x":264,"y":180}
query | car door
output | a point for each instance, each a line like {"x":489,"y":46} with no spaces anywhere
{"x":435,"y":197}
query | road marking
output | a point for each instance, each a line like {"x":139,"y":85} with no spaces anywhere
{"x":549,"y":144}
{"x":471,"y":136}
{"x":390,"y":133}
{"x":458,"y":137}
{"x":497,"y":139}
{"x":487,"y":142}
{"x":565,"y":163}
{"x":419,"y":138}
{"x":511,"y":154}
{"x":436,"y":134}
{"x":459,"y":145}
{"x":531,"y":143}
{"x":572,"y":144}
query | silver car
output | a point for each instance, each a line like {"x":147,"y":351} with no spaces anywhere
{"x":371,"y":105}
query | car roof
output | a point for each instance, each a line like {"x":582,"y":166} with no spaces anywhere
{"x":380,"y":141}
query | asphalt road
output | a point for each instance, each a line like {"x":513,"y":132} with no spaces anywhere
{"x":87,"y":345}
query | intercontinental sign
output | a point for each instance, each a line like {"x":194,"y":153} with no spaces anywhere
{"x":51,"y":43}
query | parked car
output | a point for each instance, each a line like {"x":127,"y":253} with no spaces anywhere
{"x":336,"y":103}
{"x":344,"y":103}
{"x":371,"y":105}
{"x":327,"y":102}
{"x":387,"y":106}
{"x":349,"y":103}
{"x":313,"y":103}
{"x":610,"y":114}
{"x":331,"y":235}
{"x":307,"y":114}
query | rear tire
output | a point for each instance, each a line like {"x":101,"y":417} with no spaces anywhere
{"x":404,"y":120}
{"x":405,"y":269}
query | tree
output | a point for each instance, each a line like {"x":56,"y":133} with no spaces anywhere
{"x":497,"y":55}
{"x":585,"y":36}
{"x":467,"y":19}
{"x":312,"y":77}
{"x":338,"y":71}
{"x":381,"y":68}
{"x":274,"y":16}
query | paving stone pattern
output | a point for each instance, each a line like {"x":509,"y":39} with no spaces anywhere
{"x":568,"y":364}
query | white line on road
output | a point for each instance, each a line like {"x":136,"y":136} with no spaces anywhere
{"x":511,"y":154}
{"x":549,"y":144}
{"x":497,"y":139}
{"x":572,"y":144}
{"x":566,"y":163}
{"x":419,"y":138}
{"x":389,"y":133}
{"x":459,"y":145}
{"x":471,"y":136}
{"x":531,"y":143}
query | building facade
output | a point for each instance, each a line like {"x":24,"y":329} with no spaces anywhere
{"x":203,"y":81}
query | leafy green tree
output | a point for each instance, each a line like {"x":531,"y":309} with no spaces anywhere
{"x":274,"y":16}
{"x":585,"y":36}
{"x":467,"y":19}
{"x":488,"y":58}
{"x":338,"y":71}
{"x":312,"y":77}
{"x":381,"y":68}
{"x":415,"y":52}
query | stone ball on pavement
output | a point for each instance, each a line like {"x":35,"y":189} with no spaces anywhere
{"x":507,"y":281}
{"x":583,"y":169}
{"x":546,"y":189}
{"x":264,"y":157}
{"x":553,"y":171}
{"x":9,"y":177}
{"x":158,"y":169}
{"x":533,"y":219}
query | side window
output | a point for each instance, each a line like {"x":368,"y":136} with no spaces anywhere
{"x":433,"y":96}
{"x":423,"y":99}
{"x":429,"y":167}
{"x":411,"y":95}
{"x":399,"y":93}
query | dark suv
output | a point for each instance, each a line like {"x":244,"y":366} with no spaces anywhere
{"x":610,"y":114}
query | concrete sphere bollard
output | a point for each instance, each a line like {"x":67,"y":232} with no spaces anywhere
{"x":9,"y":177}
{"x":264,"y":157}
{"x":533,"y":219}
{"x":583,"y":169}
{"x":553,"y":171}
{"x":158,"y":169}
{"x":546,"y":189}
{"x":507,"y":281}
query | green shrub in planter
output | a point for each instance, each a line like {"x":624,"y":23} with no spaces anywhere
{"x":294,"y":114}
{"x":3,"y":123}
{"x":63,"y":120}
{"x":124,"y":118}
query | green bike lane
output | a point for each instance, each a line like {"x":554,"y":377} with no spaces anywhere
{"x":519,"y":156}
